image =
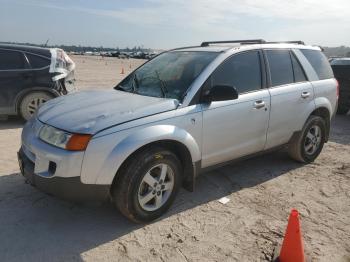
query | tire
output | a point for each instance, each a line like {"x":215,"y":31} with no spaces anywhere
{"x":342,"y":110}
{"x":31,"y":102}
{"x":130,"y":186}
{"x":306,"y":146}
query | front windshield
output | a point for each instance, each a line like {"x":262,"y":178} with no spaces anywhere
{"x":167,"y":75}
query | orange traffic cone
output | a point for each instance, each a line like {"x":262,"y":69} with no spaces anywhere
{"x":292,"y":247}
{"x":122,"y":72}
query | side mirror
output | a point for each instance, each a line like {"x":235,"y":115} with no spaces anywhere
{"x":220,"y":93}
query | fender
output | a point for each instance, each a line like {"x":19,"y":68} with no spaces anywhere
{"x":326,"y":95}
{"x":324,"y":102}
{"x":133,"y":142}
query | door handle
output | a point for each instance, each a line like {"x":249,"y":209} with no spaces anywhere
{"x":259,"y":104}
{"x":305,"y":94}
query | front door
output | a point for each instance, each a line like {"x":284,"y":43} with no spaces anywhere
{"x":236,"y":128}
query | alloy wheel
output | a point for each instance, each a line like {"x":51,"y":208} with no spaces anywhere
{"x":35,"y":104}
{"x":313,"y":140}
{"x":156,"y":187}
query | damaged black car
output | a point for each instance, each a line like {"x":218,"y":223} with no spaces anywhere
{"x":30,"y":76}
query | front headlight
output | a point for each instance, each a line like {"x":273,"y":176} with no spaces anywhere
{"x":63,"y":139}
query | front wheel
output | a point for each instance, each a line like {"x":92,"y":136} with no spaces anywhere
{"x":308,"y":144}
{"x":147,"y":185}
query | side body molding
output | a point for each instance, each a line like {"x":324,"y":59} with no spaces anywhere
{"x":103,"y":170}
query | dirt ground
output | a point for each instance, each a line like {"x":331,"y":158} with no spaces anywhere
{"x":262,"y":191}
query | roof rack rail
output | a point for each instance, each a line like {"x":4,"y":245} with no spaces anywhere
{"x":247,"y":42}
{"x":286,"y":42}
{"x":184,"y":47}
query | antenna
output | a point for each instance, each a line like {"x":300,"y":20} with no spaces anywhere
{"x":46,"y":42}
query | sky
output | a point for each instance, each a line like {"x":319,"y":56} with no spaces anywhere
{"x":165,"y":24}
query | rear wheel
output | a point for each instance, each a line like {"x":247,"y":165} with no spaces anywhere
{"x":308,"y":144}
{"x":147,"y":185}
{"x":31,"y":102}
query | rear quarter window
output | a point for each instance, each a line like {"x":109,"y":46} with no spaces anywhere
{"x":319,"y":62}
{"x":38,"y":61}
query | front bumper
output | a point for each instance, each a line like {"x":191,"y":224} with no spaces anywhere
{"x":68,"y":188}
{"x":49,"y":161}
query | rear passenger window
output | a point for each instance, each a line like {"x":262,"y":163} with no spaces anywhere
{"x":299,"y":75}
{"x":241,"y":71}
{"x":38,"y":61}
{"x":281,"y":69}
{"x":319,"y":62}
{"x":11,"y":60}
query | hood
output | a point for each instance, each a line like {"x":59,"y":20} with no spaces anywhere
{"x":88,"y":112}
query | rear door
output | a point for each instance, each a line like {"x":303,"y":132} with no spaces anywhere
{"x":13,"y":78}
{"x":236,"y":128}
{"x":291,"y":96}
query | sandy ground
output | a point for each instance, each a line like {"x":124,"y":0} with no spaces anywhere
{"x":262,"y":190}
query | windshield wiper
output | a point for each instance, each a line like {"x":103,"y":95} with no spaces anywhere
{"x":162,"y":84}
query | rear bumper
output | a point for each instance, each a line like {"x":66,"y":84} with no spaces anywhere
{"x":68,"y":188}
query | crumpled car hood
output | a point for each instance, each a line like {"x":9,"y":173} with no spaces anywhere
{"x":88,"y":112}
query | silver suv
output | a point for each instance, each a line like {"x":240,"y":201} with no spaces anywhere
{"x":182,"y":112}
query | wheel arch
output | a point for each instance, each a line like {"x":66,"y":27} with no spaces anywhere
{"x":326,"y":115}
{"x":179,"y":149}
{"x":21,"y":95}
{"x":176,"y":139}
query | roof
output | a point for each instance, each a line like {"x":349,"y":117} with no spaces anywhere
{"x":27,"y":48}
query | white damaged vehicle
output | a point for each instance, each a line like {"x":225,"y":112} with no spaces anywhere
{"x":180,"y":113}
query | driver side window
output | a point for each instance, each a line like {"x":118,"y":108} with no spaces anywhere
{"x":243,"y":71}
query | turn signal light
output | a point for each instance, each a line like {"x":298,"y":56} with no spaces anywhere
{"x":78,"y":142}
